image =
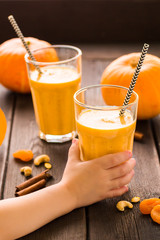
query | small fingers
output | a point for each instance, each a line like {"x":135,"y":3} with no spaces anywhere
{"x":117,"y":192}
{"x":122,"y":170}
{"x":74,"y":151}
{"x":119,"y":182}
{"x":112,"y":160}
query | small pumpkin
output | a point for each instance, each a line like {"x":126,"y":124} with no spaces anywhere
{"x":13,"y":72}
{"x":120,"y":72}
{"x":3,"y":126}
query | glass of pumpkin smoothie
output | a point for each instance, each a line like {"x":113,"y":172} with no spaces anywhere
{"x":53,"y":89}
{"x":101,"y":129}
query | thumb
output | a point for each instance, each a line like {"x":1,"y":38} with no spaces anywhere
{"x":74,"y":152}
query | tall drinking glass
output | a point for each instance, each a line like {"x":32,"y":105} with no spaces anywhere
{"x":101,"y":129}
{"x":53,"y":90}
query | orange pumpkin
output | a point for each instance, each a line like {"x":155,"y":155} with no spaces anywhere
{"x":3,"y":126}
{"x":120,"y":72}
{"x":13,"y":72}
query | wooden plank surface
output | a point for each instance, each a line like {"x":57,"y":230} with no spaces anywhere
{"x":7,"y":101}
{"x":112,"y":51}
{"x":101,"y":220}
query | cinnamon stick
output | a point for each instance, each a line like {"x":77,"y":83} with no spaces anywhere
{"x":44,"y":175}
{"x":31,"y":188}
{"x":138,"y":136}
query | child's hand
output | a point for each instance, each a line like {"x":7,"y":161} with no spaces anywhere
{"x":83,"y":183}
{"x":97,"y":179}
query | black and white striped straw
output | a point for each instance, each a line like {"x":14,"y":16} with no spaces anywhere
{"x":134,"y":78}
{"x":20,"y":35}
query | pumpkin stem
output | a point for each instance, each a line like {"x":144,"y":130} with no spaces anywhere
{"x":134,"y":62}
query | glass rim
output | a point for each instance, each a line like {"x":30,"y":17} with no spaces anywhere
{"x":79,"y":53}
{"x":108,"y":107}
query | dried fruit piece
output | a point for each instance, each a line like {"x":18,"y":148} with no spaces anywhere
{"x":26,"y":170}
{"x":121,"y":205}
{"x":23,"y":155}
{"x":135,"y":199}
{"x":147,"y":205}
{"x":155,"y":214}
{"x":48,"y":165}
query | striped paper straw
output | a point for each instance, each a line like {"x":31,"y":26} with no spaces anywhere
{"x":20,"y":35}
{"x":134,"y":78}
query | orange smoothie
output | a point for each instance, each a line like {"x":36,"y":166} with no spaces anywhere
{"x":104,"y":132}
{"x":52,"y":94}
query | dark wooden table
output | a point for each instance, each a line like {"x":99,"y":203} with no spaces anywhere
{"x":100,"y":221}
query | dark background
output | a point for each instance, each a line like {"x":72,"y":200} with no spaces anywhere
{"x":83,"y":21}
